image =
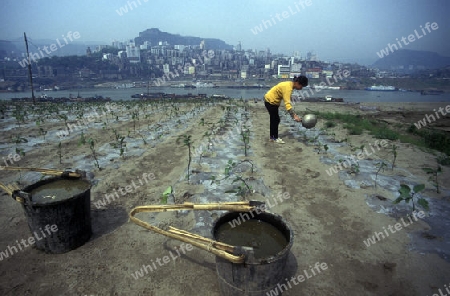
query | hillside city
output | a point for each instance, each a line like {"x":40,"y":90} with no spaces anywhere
{"x":138,"y":62}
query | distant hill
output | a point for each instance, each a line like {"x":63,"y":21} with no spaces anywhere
{"x":18,"y":47}
{"x":154,"y":36}
{"x":411,"y":60}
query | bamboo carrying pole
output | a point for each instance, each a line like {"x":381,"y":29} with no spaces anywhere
{"x":10,"y":189}
{"x":45,"y":171}
{"x":217,"y":248}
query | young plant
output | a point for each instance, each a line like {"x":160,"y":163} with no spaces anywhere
{"x":60,"y":152}
{"x":381,"y":166}
{"x":245,"y":134}
{"x":82,"y":140}
{"x":319,"y":148}
{"x":42,"y":132}
{"x":91,"y":143}
{"x":18,"y":140}
{"x":135,"y":116}
{"x":243,"y":189}
{"x":434,"y":176}
{"x":188,"y":143}
{"x":20,"y":117}
{"x":394,"y":152}
{"x":65,"y":119}
{"x":355,"y":169}
{"x":165,"y":195}
{"x":407,"y":195}
{"x":119,"y":142}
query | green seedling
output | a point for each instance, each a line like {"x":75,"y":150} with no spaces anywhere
{"x":245,"y":134}
{"x":119,"y":142}
{"x":394,"y":153}
{"x":243,"y":189}
{"x":355,"y":168}
{"x":407,"y":195}
{"x":434,"y":176}
{"x":381,"y":166}
{"x":91,"y":143}
{"x":65,"y":119}
{"x":42,"y":132}
{"x":165,"y":195}
{"x":188,"y":143}
{"x":82,"y":140}
{"x":135,"y":116}
{"x":92,"y":147}
{"x":60,"y":152}
{"x":319,"y":148}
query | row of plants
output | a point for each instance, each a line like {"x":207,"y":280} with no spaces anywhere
{"x":357,"y":124}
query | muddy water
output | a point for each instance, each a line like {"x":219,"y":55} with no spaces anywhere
{"x":58,"y":190}
{"x":265,"y":239}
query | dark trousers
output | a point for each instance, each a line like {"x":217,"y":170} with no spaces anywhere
{"x":274,"y":119}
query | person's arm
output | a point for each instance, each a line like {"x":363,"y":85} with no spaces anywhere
{"x":287,"y":103}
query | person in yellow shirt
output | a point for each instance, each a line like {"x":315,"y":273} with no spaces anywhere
{"x":272,"y":101}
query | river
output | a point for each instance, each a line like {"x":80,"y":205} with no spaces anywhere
{"x":347,"y":95}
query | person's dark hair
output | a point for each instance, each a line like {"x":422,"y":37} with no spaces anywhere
{"x":302,"y":80}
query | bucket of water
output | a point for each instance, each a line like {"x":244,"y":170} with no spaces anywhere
{"x":58,"y":213}
{"x":271,"y":238}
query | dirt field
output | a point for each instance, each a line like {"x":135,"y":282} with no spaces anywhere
{"x":330,"y":219}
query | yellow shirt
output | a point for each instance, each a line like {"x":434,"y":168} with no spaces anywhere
{"x":281,"y":91}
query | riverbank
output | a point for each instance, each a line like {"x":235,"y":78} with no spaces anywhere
{"x":332,"y":216}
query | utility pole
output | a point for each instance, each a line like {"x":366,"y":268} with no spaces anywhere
{"x":29,"y":68}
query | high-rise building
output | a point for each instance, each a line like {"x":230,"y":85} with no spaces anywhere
{"x":133,"y":53}
{"x":239,"y":46}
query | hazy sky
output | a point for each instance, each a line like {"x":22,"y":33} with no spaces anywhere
{"x":336,"y":30}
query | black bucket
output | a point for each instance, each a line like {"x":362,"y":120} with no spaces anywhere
{"x":61,"y":225}
{"x":256,"y":276}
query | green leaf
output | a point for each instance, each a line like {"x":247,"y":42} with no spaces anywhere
{"x":419,"y":188}
{"x":168,"y":191}
{"x":164,"y":199}
{"x":423,"y":203}
{"x":404,"y":190}
{"x":398,"y":200}
{"x":428,"y":170}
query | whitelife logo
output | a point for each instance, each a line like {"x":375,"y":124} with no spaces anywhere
{"x":265,"y":24}
{"x":431,"y":118}
{"x":11,"y":250}
{"x":124,"y":9}
{"x":307,"y":274}
{"x":36,"y":56}
{"x":378,"y":236}
{"x":123,"y":190}
{"x":411,"y":38}
{"x":165,"y":260}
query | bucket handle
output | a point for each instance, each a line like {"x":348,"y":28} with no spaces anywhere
{"x":231,"y":253}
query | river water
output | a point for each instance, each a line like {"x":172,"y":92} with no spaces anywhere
{"x":347,"y":95}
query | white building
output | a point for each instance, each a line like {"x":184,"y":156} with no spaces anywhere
{"x":133,"y":53}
